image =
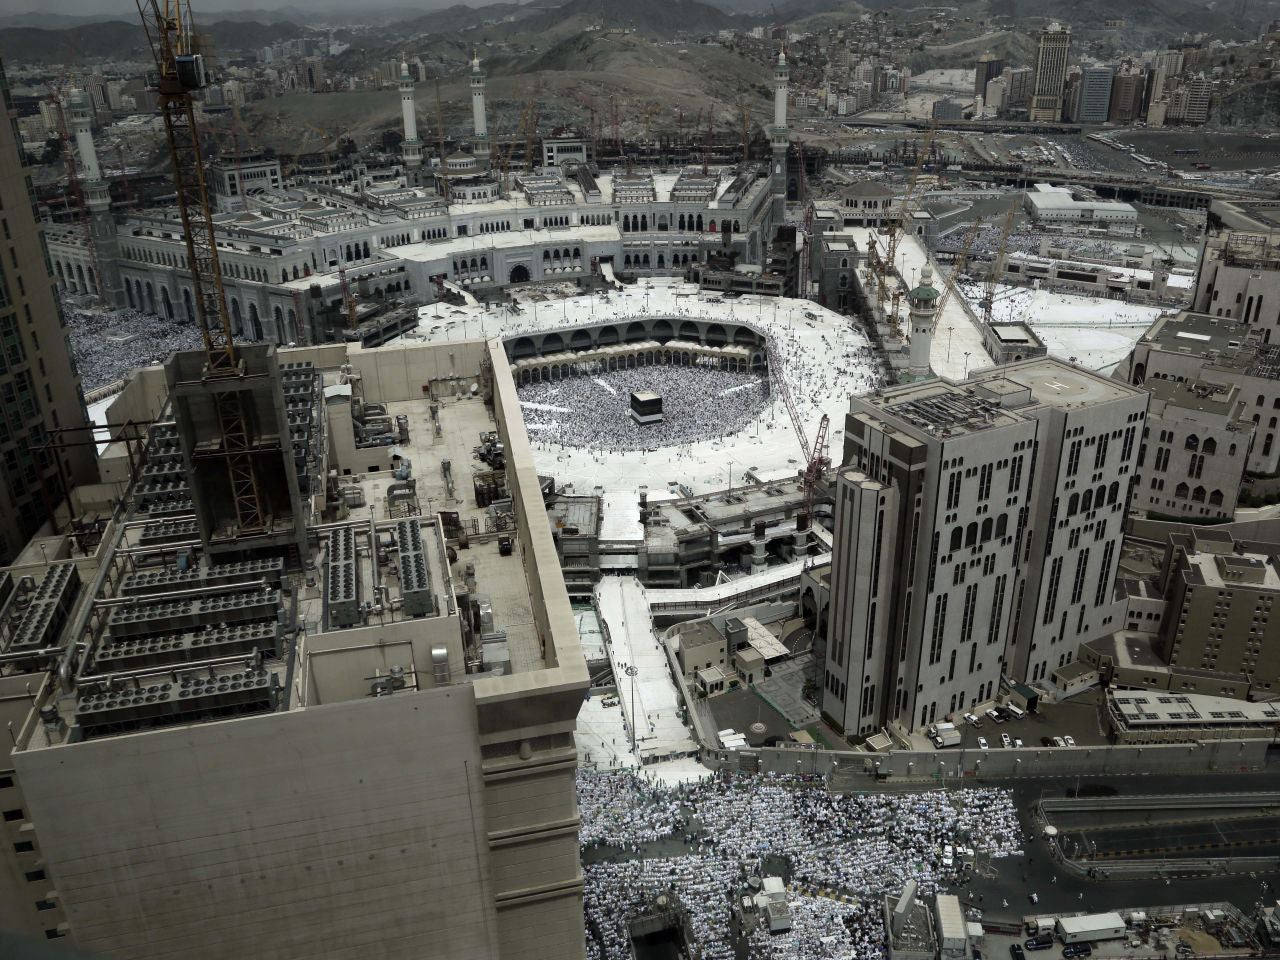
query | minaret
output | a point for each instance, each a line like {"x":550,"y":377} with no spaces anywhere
{"x":479,"y":121}
{"x":411,"y":148}
{"x":779,"y":137}
{"x":102,"y":225}
{"x":923,"y":315}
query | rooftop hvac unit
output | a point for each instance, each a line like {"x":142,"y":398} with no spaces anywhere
{"x":440,"y":665}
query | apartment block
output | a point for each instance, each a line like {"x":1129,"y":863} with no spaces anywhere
{"x":1195,"y":446}
{"x":976,"y":531}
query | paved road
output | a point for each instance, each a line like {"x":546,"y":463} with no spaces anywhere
{"x":1035,"y":872}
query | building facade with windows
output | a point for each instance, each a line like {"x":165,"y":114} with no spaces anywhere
{"x":976,"y":531}
{"x":40,"y":391}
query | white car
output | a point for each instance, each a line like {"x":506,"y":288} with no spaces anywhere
{"x":969,"y":718}
{"x":1006,"y":740}
{"x":948,"y":856}
{"x":1059,"y":742}
{"x":1017,"y":743}
{"x":1069,"y":740}
{"x":982,"y":743}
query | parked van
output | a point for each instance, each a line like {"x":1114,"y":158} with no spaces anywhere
{"x":1018,"y":712}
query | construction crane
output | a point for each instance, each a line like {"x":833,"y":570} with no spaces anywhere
{"x":816,"y":458}
{"x":997,"y":264}
{"x":532,"y":115}
{"x":348,"y":299}
{"x":75,"y":194}
{"x":124,"y":175}
{"x":180,"y":71}
{"x":958,"y":265}
{"x":444,"y":163}
{"x":909,"y":200}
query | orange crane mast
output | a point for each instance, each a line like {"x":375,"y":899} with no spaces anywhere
{"x":180,"y":71}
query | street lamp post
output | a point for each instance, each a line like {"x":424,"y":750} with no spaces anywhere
{"x":631,"y":670}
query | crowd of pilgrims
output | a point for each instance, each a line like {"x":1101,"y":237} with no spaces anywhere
{"x":107,"y":344}
{"x":698,"y":842}
{"x":593,"y":410}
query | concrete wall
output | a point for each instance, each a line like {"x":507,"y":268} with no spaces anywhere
{"x":526,"y":731}
{"x":399,"y":372}
{"x":336,"y":832}
{"x":1229,"y":756}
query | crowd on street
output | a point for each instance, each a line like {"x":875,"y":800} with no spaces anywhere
{"x":856,"y":846}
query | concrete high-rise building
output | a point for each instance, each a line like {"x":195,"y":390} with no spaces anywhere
{"x":977,"y":532}
{"x":1222,"y":597}
{"x":39,"y":386}
{"x":363,"y":746}
{"x":988,"y":68}
{"x":997,"y":96}
{"x":1053,"y":54}
{"x":1018,"y":80}
{"x":1093,"y":95}
{"x":1199,"y":91}
{"x":1166,"y":66}
{"x":779,"y":138}
{"x":1127,"y":91}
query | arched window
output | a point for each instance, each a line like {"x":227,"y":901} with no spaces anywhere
{"x":956,"y":534}
{"x":546,"y":256}
{"x":1193,"y":442}
{"x":1182,"y":491}
{"x":366,"y":249}
{"x":971,"y":534}
{"x":577,"y":253}
{"x":680,"y":222}
{"x":1197,"y":495}
{"x":646,"y":260}
{"x":844,"y":263}
{"x":1215,"y":498}
{"x":1113,"y":492}
{"x":484,"y":263}
{"x":1210,"y":446}
{"x":1002,"y":525}
{"x":987,"y":526}
{"x":1073,"y":505}
{"x":699,"y":222}
{"x":1086,"y":502}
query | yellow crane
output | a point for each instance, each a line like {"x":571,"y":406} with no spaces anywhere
{"x":997,"y":263}
{"x":909,"y":199}
{"x":958,"y":265}
{"x":180,"y":72}
{"x":444,"y":162}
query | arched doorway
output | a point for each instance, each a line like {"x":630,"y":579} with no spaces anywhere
{"x":519,"y":274}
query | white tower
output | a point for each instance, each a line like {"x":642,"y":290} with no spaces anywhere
{"x":923,"y":315}
{"x":411,"y":149}
{"x":102,"y":225}
{"x":479,"y":120}
{"x":779,"y":138}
